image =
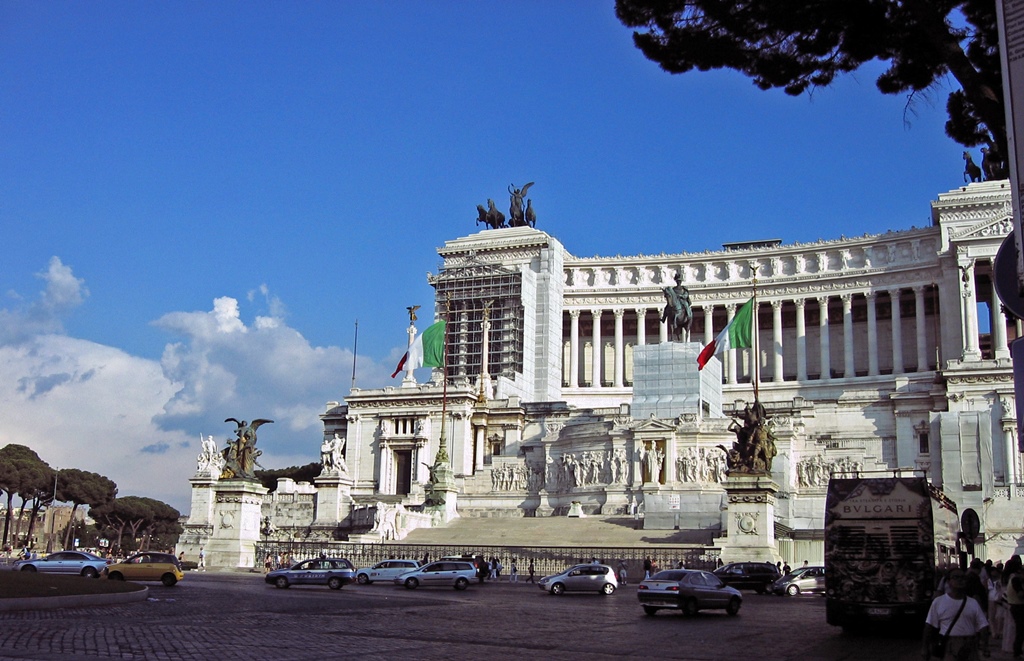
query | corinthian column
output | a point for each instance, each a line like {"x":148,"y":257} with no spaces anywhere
{"x":730,"y":355}
{"x":574,"y":348}
{"x":619,"y":349}
{"x":922,"y":338}
{"x":801,"y":340}
{"x":641,"y":326}
{"x":826,"y":351}
{"x":969,"y":309}
{"x":849,"y":371}
{"x":777,"y":341}
{"x":872,"y":334}
{"x":595,"y":359}
{"x":897,"y":332}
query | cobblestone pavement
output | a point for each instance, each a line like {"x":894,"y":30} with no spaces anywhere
{"x":227,"y":616}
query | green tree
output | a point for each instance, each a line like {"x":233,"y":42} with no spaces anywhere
{"x":142,"y":516}
{"x":801,"y":44}
{"x":20,"y":471}
{"x":307,"y":473}
{"x":81,"y":487}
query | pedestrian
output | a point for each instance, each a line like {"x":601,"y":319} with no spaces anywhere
{"x":529,"y":569}
{"x":181,"y":557}
{"x":955,"y":619}
{"x":268,"y":564}
{"x":623,"y":572}
{"x":497,"y":570}
{"x":1013,"y":581}
{"x":996,"y":597}
{"x":647,"y":567}
{"x":786,"y":569}
{"x":426,"y":559}
{"x":513,"y":574}
{"x":974,"y":580}
{"x":654,"y":566}
{"x":202,"y":559}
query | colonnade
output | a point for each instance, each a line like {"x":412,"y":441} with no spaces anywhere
{"x":861,"y":340}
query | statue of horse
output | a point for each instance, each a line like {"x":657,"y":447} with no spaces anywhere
{"x":495,"y":219}
{"x":972,"y":172}
{"x":481,"y":215}
{"x":678,"y":312}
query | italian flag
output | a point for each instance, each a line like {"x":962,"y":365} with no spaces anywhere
{"x":427,"y":350}
{"x":736,"y":335}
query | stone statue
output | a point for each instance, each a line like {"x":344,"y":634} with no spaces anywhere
{"x":754,"y":449}
{"x":241,"y":453}
{"x":331,"y":455}
{"x":210,"y":459}
{"x":678,"y":312}
{"x":515,"y":210}
{"x":494,"y":218}
{"x":531,"y":215}
{"x":972,"y":172}
{"x":412,"y":312}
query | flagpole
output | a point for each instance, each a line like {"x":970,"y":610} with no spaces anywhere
{"x":355,"y":348}
{"x":442,"y":450}
{"x":756,"y":362}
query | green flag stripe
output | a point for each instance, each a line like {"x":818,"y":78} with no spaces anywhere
{"x":740,"y":331}
{"x":433,"y":345}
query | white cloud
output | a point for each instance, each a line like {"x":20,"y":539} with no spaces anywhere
{"x":136,"y":420}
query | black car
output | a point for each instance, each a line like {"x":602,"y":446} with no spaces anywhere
{"x":757,"y":576}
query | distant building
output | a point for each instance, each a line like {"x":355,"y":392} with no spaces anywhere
{"x":875,"y":352}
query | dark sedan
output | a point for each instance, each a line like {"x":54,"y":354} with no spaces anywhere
{"x":335,"y":573}
{"x":687,"y":590}
{"x":757,"y":576}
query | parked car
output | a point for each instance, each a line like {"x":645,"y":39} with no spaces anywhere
{"x":757,"y":576}
{"x":65,"y":562}
{"x":688,"y":590}
{"x":335,"y":573}
{"x":162,"y":567}
{"x":456,"y":573}
{"x":804,"y":579}
{"x":385,"y":571}
{"x":581,"y":578}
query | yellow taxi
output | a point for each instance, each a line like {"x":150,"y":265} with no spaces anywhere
{"x":147,"y":566}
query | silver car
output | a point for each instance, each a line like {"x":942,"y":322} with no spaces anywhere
{"x":454,"y":573}
{"x":65,"y":562}
{"x":687,"y":590}
{"x":385,"y":571}
{"x":804,"y":579}
{"x":581,"y":578}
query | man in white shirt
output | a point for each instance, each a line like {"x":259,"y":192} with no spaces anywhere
{"x":962,"y":642}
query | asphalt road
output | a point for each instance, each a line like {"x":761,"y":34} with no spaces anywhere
{"x":237,"y":616}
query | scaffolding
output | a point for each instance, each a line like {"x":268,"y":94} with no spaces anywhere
{"x":468,"y":290}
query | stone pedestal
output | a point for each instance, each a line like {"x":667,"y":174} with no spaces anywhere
{"x":236,"y":523}
{"x":442,"y":495}
{"x":667,"y":383}
{"x":333,"y":499}
{"x":750,"y":519}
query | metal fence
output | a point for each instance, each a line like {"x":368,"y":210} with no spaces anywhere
{"x":546,"y":559}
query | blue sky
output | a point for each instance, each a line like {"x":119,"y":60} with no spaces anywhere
{"x":199,"y":200}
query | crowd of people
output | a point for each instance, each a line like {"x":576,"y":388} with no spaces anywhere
{"x":975,"y":608}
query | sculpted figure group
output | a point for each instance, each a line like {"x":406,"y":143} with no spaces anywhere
{"x":331,"y":455}
{"x":519,"y":215}
{"x":754,"y":449}
{"x":241,"y":453}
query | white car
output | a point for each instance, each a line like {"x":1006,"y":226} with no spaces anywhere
{"x":456,"y":573}
{"x":581,"y":578}
{"x":385,"y":571}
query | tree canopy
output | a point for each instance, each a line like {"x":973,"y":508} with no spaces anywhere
{"x":83,"y":488}
{"x":307,"y":473}
{"x":801,"y":44}
{"x":145,"y":517}
{"x":22,"y":472}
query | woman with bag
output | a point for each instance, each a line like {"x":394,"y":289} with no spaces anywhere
{"x":955,"y":623}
